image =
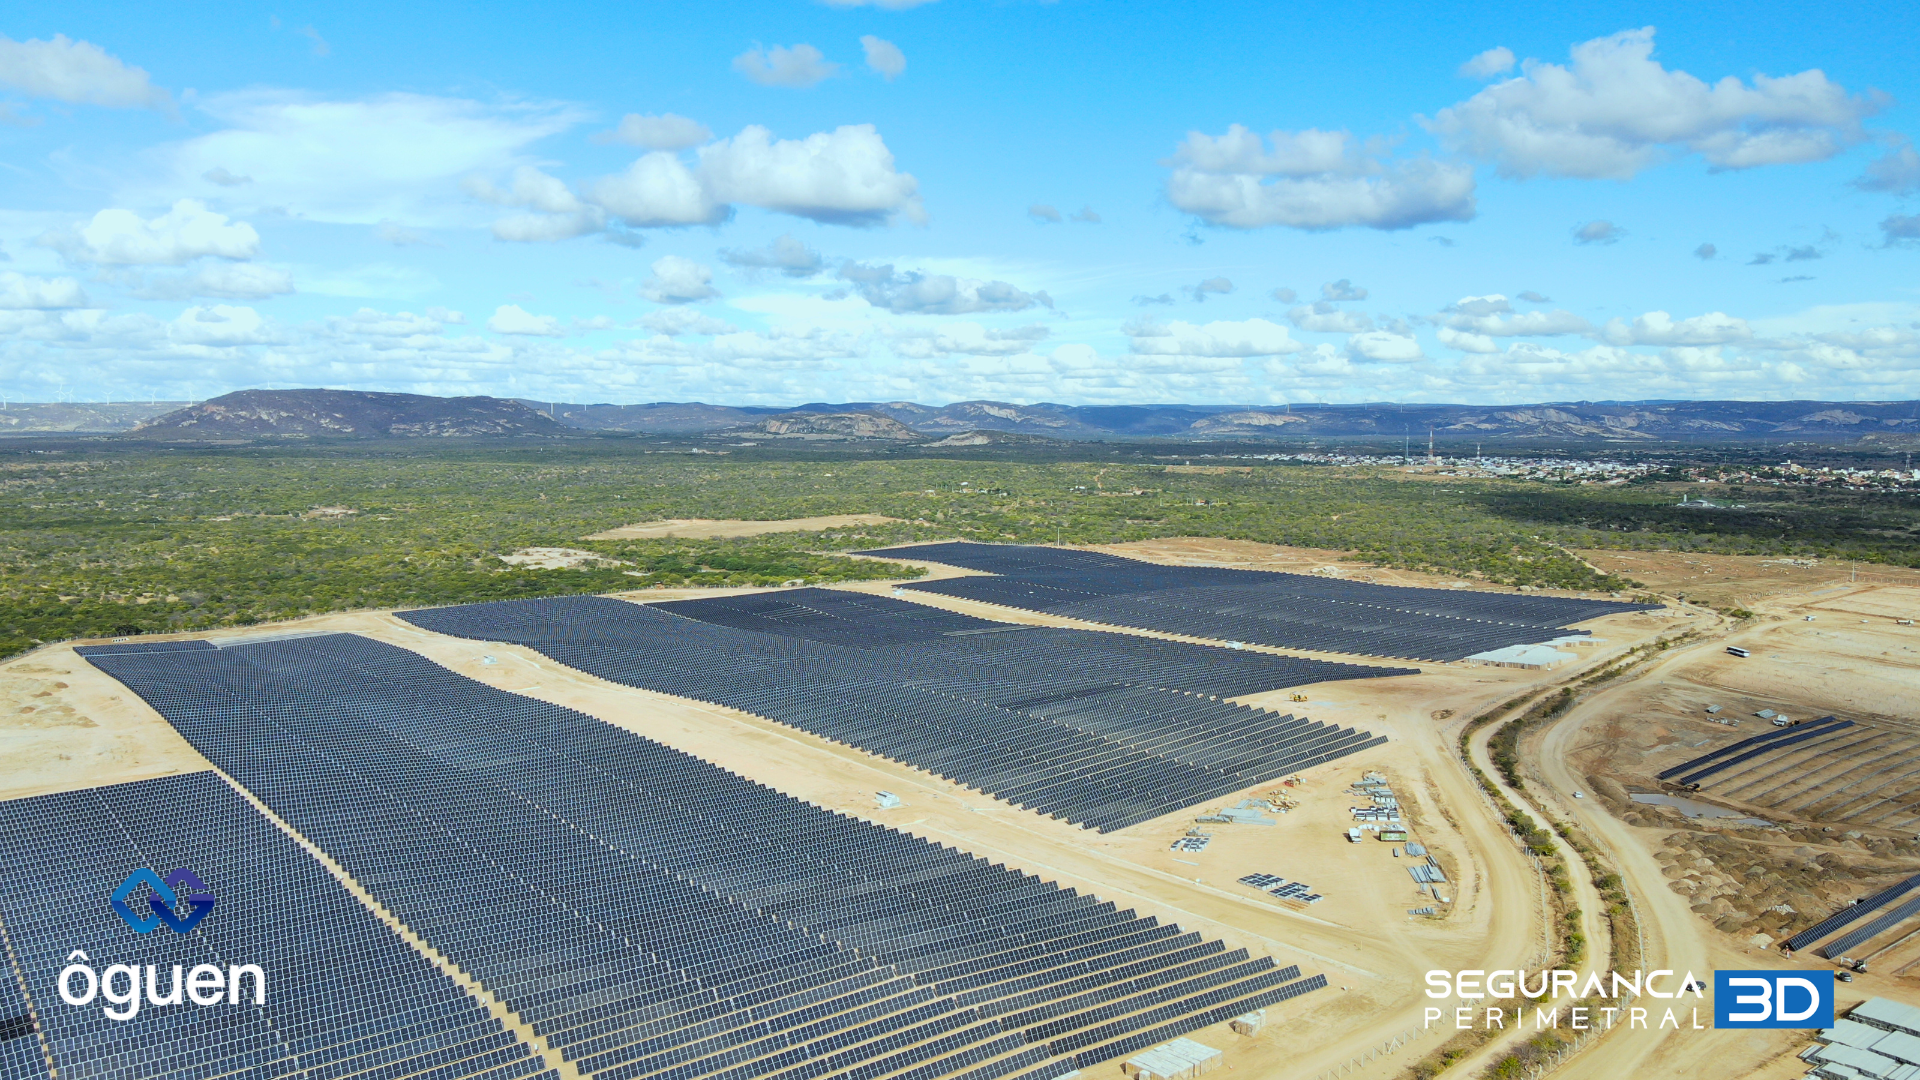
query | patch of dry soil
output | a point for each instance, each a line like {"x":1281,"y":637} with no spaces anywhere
{"x":709,"y":528}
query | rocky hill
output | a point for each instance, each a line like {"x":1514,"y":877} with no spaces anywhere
{"x":843,"y":425}
{"x":655,"y":418}
{"x":353,"y":414}
{"x":989,"y":437}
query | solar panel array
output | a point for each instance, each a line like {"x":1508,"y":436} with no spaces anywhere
{"x":1839,"y":946}
{"x":1264,"y":607}
{"x":21,"y":1057}
{"x":1101,"y":729}
{"x":366,"y":1006}
{"x":653,"y":916}
{"x":1846,"y":916}
{"x":1693,"y":772}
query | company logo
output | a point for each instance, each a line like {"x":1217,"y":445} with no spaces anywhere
{"x":1772,"y":999}
{"x":179,"y":901}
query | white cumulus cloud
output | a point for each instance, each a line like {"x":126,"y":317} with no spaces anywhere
{"x":513,"y":319}
{"x":1660,"y":328}
{"x":1342,"y":290}
{"x":220,"y":325}
{"x":1495,"y":61}
{"x":554,"y":211}
{"x":1324,"y":318}
{"x":798,"y":67}
{"x":1465,"y":341}
{"x":182,"y":234}
{"x":1385,"y":346}
{"x":914,"y":293}
{"x":1615,"y":111}
{"x":22,"y":292}
{"x":678,"y":281}
{"x":1312,"y":180}
{"x":884,"y":57}
{"x":1486,"y":316}
{"x":1598,"y":232}
{"x":843,"y":177}
{"x":77,"y":72}
{"x":657,"y":190}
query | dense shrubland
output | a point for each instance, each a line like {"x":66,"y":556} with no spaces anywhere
{"x":123,"y":540}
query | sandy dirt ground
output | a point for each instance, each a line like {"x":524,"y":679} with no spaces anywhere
{"x":65,"y":725}
{"x":1249,"y":555}
{"x":708,"y":528}
{"x":1740,"y":580}
{"x":1361,"y":936}
{"x":1856,"y":660}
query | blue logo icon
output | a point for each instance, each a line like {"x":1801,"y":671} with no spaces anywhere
{"x":1772,"y":999}
{"x":180,"y":901}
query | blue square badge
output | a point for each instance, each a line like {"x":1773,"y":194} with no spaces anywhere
{"x":1772,"y":999}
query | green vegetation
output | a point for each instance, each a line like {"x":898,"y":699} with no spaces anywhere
{"x":1870,"y":526}
{"x":113,"y":538}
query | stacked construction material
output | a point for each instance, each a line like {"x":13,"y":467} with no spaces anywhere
{"x":1879,"y":1039}
{"x":1282,"y":888}
{"x":653,"y":916}
{"x":367,"y":1004}
{"x":1263,"y":607}
{"x":1101,"y":729}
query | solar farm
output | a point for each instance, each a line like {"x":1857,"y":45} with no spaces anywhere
{"x":798,"y":833}
{"x":1295,"y":611}
{"x":1104,"y":730}
{"x":804,"y":945}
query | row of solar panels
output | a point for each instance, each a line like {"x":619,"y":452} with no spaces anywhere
{"x":1718,"y":761}
{"x":1039,"y":718}
{"x":366,"y":1006}
{"x":652,"y":916}
{"x":1262,"y":607}
{"x":1111,"y":575}
{"x":1852,"y":913}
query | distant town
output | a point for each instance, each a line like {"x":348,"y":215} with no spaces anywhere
{"x":1565,"y":470}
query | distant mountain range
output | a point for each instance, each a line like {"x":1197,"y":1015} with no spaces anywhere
{"x":80,"y":416}
{"x":1622,"y":421}
{"x":252,"y":414}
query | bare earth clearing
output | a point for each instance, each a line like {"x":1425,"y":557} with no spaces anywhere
{"x":708,"y":529}
{"x":64,"y":725}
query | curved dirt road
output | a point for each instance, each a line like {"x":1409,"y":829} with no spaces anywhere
{"x":1676,"y":938}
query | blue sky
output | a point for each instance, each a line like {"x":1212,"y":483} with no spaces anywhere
{"x":781,"y":202}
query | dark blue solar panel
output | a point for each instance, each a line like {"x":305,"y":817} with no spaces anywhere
{"x":1102,"y":729}
{"x":1259,"y":606}
{"x":653,"y":916}
{"x":367,"y":1002}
